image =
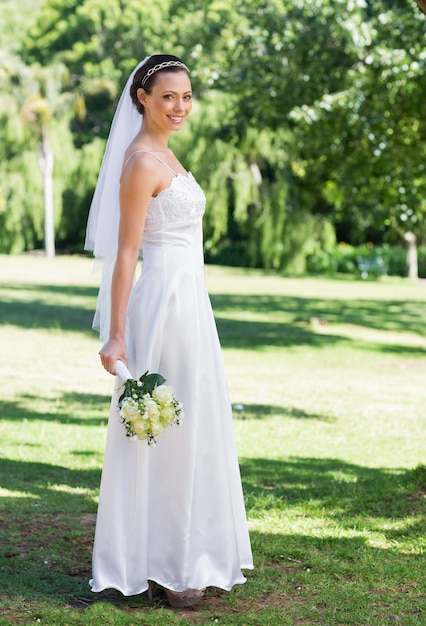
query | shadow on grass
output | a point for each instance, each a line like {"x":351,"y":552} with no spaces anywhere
{"x":34,"y":480}
{"x":45,"y":309}
{"x":244,"y":335}
{"x":79,"y":291}
{"x":253,"y":335}
{"x":260,"y":411}
{"x":394,"y":315}
{"x":297,"y":314}
{"x":288,"y":324}
{"x":70,"y":405}
{"x":400,"y":350}
{"x":345,"y":492}
{"x":67,"y":409}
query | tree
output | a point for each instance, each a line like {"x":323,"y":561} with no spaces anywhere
{"x":46,"y":101}
{"x":346,"y":84}
{"x":422,"y":5}
{"x":371,"y":172}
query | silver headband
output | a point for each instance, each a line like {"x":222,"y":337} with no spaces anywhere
{"x":162,"y":66}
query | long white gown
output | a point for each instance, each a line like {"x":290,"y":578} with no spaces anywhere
{"x":175,"y":513}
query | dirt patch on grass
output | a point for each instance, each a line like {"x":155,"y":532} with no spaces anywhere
{"x":215,"y":604}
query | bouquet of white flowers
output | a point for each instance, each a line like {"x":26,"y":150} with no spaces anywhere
{"x":147,"y":406}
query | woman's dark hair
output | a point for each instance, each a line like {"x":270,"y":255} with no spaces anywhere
{"x":148,"y":83}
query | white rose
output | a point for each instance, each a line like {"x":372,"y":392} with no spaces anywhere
{"x":167,"y":415}
{"x":151,"y":409}
{"x":163,"y":395}
{"x":156,"y":426}
{"x":129,"y":410}
{"x":141,"y":428}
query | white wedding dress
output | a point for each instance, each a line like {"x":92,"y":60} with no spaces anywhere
{"x":175,"y":513}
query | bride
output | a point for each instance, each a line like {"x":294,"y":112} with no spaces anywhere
{"x":172,"y":515}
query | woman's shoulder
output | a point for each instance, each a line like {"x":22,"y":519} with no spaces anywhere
{"x":139,"y":176}
{"x":140,"y":159}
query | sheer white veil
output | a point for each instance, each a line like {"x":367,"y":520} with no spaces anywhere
{"x":104,"y":214}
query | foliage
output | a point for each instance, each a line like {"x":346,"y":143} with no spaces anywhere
{"x":77,"y":195}
{"x":367,"y":260}
{"x":339,"y":101}
{"x":100,"y":42}
{"x":21,"y":225}
{"x":311,"y":116}
{"x":16,"y":18}
{"x":371,"y":169}
{"x":34,"y":107}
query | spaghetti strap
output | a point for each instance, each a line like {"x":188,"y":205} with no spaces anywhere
{"x":154,"y":155}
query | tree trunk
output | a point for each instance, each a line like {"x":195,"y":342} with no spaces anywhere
{"x":422,"y":5}
{"x":412,"y":262}
{"x":46,"y":160}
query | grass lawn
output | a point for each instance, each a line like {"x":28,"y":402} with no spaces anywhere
{"x":328,"y":383}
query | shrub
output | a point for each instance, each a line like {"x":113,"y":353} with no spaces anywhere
{"x":366,"y":260}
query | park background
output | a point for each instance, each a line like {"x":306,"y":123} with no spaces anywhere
{"x":307,"y":134}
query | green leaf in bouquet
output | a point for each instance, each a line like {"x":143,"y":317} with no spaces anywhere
{"x":150,"y":381}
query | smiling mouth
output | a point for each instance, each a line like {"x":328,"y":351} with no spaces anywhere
{"x":176,"y":118}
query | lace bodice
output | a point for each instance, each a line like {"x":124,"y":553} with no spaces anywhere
{"x":182,"y":201}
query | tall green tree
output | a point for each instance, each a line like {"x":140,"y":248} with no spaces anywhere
{"x":271,"y":57}
{"x":372,"y":170}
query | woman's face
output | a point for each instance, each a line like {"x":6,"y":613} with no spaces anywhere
{"x":170,"y":100}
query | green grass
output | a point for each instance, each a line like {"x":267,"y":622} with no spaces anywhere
{"x":327,"y":378}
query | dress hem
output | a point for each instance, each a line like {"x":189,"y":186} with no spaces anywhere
{"x":96,"y":589}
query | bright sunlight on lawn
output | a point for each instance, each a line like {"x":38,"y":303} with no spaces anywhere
{"x":327,"y":380}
